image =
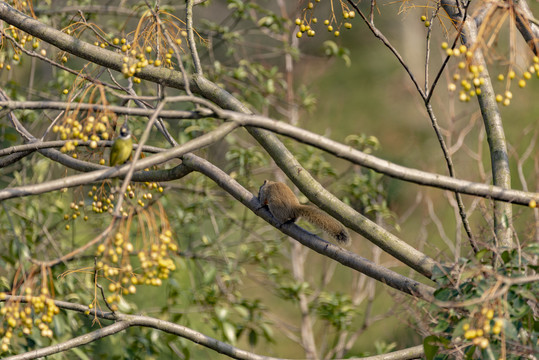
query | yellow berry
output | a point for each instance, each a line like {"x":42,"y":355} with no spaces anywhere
{"x":511,"y":74}
{"x":522,"y":83}
{"x":299,"y":34}
{"x":532,"y":204}
{"x":427,"y":23}
{"x":330,"y":28}
{"x":423,"y":18}
{"x":337,"y":33}
{"x":298,"y":21}
{"x":445,"y":45}
{"x":348,"y":25}
{"x":501,"y":77}
{"x":65,"y":91}
{"x":157,"y":63}
{"x":483,"y":343}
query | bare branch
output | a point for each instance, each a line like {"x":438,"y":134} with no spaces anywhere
{"x":323,"y":247}
{"x":386,"y":42}
{"x":191,"y":37}
{"x":493,"y":123}
{"x":123,"y":322}
{"x":108,"y":172}
{"x":415,"y":352}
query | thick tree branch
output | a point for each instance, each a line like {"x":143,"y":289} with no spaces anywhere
{"x":493,"y":123}
{"x":345,"y":257}
{"x":107,"y":172}
{"x":528,"y":29}
{"x":123,"y":321}
{"x":415,"y":352}
{"x":124,"y":110}
{"x":302,"y":135}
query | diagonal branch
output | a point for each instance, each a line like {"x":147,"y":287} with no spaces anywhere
{"x":345,"y":257}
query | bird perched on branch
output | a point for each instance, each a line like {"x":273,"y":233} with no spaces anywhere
{"x":121,"y":148}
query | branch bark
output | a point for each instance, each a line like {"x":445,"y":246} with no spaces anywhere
{"x":493,"y":123}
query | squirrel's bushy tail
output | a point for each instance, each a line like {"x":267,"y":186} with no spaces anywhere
{"x":325,"y":222}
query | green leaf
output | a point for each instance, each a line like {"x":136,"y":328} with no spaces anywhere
{"x":80,"y":353}
{"x":481,"y":254}
{"x":430,"y":346}
{"x":253,"y":338}
{"x":470,"y":352}
{"x":230,"y":332}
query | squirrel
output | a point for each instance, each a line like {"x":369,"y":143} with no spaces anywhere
{"x":285,"y":207}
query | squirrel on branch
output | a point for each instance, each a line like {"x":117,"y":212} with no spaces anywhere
{"x":285,"y":207}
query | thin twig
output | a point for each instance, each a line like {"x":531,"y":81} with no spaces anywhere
{"x":191,"y":37}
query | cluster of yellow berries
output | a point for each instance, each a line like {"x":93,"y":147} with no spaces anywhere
{"x":103,"y":202}
{"x":484,"y":325}
{"x":505,"y":99}
{"x":470,"y":74}
{"x":305,"y":27}
{"x":467,"y":76}
{"x":425,"y":21}
{"x":22,"y":39}
{"x":39,"y":311}
{"x":135,"y":59}
{"x":89,"y":129}
{"x":75,"y":213}
{"x":155,"y":262}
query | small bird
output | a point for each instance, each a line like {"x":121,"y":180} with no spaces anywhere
{"x":121,"y":148}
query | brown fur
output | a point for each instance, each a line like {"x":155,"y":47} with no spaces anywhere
{"x":285,"y":207}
